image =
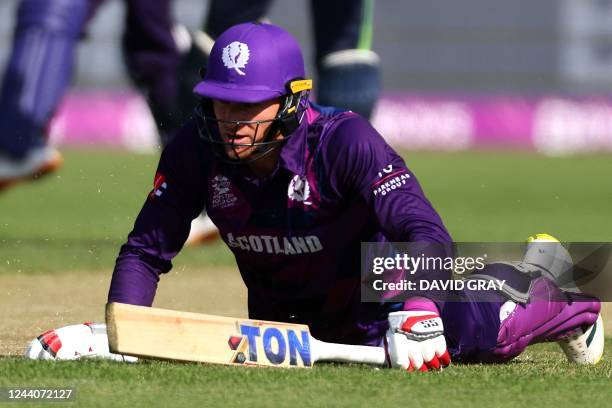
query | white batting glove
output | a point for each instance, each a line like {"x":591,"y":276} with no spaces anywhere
{"x":415,"y":341}
{"x":74,"y":342}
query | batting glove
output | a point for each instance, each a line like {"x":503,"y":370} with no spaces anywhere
{"x":74,"y":342}
{"x":415,"y":341}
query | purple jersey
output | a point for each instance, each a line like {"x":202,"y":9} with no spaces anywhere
{"x":296,"y":235}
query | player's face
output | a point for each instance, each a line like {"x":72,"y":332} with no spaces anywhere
{"x":241,"y":136}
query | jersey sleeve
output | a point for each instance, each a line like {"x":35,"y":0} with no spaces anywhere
{"x":163,"y":224}
{"x":365,"y":165}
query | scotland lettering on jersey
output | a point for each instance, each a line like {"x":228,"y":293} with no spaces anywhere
{"x":275,"y":245}
{"x":159,"y":186}
{"x":390,"y":178}
{"x":279,"y":346}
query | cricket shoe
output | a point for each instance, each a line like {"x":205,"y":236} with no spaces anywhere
{"x":38,"y":162}
{"x":584,"y":345}
{"x":203,"y":231}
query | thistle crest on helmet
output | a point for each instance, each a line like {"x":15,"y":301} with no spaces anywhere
{"x":235,"y":56}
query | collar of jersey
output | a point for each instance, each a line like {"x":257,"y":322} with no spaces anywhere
{"x":293,"y":154}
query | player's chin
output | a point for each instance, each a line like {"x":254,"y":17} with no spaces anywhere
{"x":238,"y":152}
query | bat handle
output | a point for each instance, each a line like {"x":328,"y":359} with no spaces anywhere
{"x":347,"y":353}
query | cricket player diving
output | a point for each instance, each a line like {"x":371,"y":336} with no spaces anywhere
{"x":295,"y":188}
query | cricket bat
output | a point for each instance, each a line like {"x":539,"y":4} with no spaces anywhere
{"x":167,"y":334}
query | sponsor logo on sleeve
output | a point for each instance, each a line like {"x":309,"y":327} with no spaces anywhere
{"x":389,"y":179}
{"x":387,"y":170}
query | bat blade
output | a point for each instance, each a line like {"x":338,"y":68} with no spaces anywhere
{"x":174,"y":335}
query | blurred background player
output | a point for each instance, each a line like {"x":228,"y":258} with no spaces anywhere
{"x":40,"y":67}
{"x":347,"y":70}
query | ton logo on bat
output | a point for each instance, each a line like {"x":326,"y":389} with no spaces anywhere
{"x":277,"y":344}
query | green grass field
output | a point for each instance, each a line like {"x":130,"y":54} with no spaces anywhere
{"x":69,"y":228}
{"x":539,"y":379}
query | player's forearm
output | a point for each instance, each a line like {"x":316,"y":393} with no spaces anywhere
{"x":430,"y":229}
{"x":134,"y":279}
{"x":405,"y":215}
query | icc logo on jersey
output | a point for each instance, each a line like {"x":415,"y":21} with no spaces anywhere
{"x":220,"y":184}
{"x":222,"y":197}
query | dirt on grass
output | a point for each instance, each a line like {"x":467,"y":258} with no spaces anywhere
{"x":32,"y":304}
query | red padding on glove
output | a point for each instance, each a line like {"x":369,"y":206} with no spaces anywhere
{"x":50,"y":342}
{"x":411,"y":321}
{"x":434,"y":363}
{"x":445,"y":359}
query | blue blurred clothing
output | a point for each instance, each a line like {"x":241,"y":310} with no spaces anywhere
{"x":42,"y":59}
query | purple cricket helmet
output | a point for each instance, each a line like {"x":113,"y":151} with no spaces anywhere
{"x":252,"y":63}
